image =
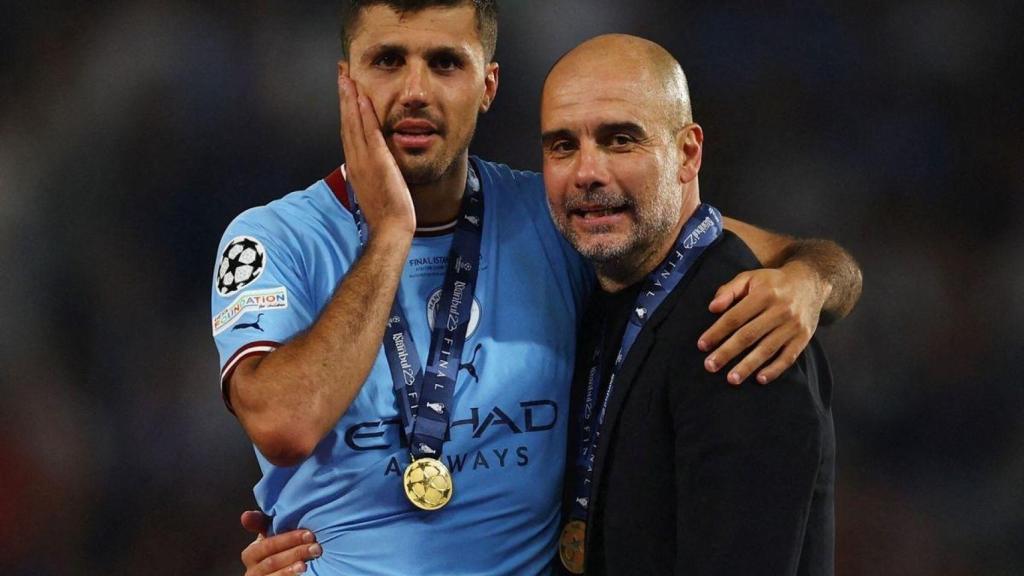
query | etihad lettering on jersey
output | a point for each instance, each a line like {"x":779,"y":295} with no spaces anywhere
{"x":528,"y":417}
{"x":268,"y":299}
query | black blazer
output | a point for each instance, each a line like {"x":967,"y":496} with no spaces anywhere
{"x":694,"y":476}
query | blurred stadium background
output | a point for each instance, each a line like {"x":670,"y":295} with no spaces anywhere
{"x":131,"y":132}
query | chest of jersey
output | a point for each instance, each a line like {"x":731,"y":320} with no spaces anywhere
{"x":506,"y":438}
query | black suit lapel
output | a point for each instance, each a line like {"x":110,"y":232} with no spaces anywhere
{"x":631,"y":366}
{"x":627,"y":374}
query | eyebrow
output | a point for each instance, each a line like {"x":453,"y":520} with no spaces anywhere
{"x":378,"y":49}
{"x":617,"y":127}
{"x":453,"y":51}
{"x":433,"y":52}
{"x":550,"y":136}
{"x":603,"y":130}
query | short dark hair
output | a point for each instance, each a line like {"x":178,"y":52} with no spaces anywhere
{"x":486,"y":17}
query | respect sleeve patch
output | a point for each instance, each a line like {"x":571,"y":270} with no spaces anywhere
{"x":251,"y":301}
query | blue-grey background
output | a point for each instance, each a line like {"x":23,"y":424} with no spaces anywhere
{"x":132,"y":131}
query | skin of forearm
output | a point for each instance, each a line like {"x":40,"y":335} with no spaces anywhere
{"x":768,"y":247}
{"x":290,"y":399}
{"x":835,"y":267}
{"x":838,"y":273}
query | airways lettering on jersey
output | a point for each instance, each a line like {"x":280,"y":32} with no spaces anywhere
{"x":529,"y":417}
{"x":473,"y":461}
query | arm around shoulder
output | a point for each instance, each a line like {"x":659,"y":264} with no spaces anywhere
{"x":838,"y":275}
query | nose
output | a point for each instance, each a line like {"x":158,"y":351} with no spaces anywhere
{"x":591,"y":167}
{"x":415,"y":86}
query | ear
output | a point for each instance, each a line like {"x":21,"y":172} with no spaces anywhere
{"x":490,"y":86}
{"x":690,"y":146}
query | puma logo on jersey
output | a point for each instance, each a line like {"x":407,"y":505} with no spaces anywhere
{"x":470,"y":367}
{"x":256,"y":324}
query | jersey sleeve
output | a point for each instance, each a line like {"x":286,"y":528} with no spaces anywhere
{"x":259,"y":297}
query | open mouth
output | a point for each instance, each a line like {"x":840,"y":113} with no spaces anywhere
{"x":590,"y":214}
{"x":594,"y":212}
{"x":414,"y":133}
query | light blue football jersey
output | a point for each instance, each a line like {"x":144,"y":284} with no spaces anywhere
{"x":278,"y":266}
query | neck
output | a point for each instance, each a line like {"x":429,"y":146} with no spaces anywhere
{"x":438,"y":202}
{"x":622,"y":273}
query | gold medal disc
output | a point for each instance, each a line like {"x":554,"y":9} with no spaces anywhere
{"x":570,"y":546}
{"x":428,"y":483}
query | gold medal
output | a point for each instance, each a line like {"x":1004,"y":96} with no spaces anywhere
{"x":570,"y":546}
{"x":428,"y":483}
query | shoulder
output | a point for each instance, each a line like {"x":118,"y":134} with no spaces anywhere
{"x":807,"y":384}
{"x":728,"y":256}
{"x":720,"y":262}
{"x":297,"y":209}
{"x":294,"y":220}
{"x":504,"y":179}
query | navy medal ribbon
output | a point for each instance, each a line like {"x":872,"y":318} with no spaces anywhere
{"x":424,"y":396}
{"x":699,"y":232}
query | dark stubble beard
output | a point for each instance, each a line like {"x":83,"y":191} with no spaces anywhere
{"x":651,"y":223}
{"x":421,"y":174}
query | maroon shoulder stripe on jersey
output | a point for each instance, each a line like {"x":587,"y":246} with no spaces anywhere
{"x":259,"y":348}
{"x":336,"y":182}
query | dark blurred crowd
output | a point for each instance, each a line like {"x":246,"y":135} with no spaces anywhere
{"x":131,"y":133}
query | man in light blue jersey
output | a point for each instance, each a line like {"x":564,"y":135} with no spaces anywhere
{"x":418,"y":305}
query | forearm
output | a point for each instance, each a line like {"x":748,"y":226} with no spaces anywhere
{"x":837,"y":270}
{"x":839,"y":276}
{"x":290,"y":399}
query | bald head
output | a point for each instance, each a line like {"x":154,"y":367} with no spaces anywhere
{"x":629,"y":61}
{"x":621,"y":154}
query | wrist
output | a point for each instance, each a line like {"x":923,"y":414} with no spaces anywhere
{"x":822,"y":286}
{"x":392,"y":232}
